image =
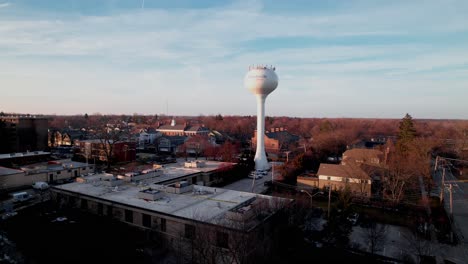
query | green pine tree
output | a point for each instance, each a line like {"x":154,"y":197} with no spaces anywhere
{"x":407,"y":132}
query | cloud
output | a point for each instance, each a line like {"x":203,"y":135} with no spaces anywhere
{"x":3,"y":5}
{"x":196,"y":58}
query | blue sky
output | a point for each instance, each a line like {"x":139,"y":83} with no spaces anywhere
{"x":334,"y":58}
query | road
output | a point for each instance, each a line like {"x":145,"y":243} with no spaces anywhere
{"x":460,"y":203}
{"x":400,"y":242}
{"x":245,"y":185}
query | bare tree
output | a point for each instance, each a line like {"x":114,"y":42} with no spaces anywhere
{"x":375,"y":235}
{"x":397,"y":177}
{"x":108,"y":138}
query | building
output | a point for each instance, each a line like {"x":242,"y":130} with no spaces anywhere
{"x":188,"y":219}
{"x":308,"y":180}
{"x":23,"y":133}
{"x":277,"y":140}
{"x":364,"y":156}
{"x":339,"y":177}
{"x":67,"y":137}
{"x":201,"y":172}
{"x":23,"y":158}
{"x":96,"y":149}
{"x":51,"y":171}
{"x":184,"y":129}
{"x":147,"y":137}
{"x":170,"y":144}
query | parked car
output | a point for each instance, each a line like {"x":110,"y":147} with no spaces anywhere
{"x":21,"y":196}
{"x":40,"y":185}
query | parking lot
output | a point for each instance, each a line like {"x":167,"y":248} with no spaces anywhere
{"x":250,"y":185}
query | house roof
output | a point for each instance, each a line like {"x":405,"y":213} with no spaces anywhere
{"x":175,"y":140}
{"x":282,"y":136}
{"x":196,"y":128}
{"x":344,"y":171}
{"x":362,"y":154}
{"x":180,"y":127}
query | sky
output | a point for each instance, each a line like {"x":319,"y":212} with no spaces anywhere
{"x":373,"y":59}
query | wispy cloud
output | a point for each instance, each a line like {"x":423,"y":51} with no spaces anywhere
{"x":3,"y":5}
{"x":163,"y":53}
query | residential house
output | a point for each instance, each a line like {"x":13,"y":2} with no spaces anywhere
{"x":338,"y":177}
{"x":147,"y":137}
{"x":277,"y":140}
{"x":185,"y":129}
{"x":170,"y":144}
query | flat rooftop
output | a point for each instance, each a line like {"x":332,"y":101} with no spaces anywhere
{"x":203,"y":203}
{"x":23,"y":154}
{"x":174,"y":171}
{"x":8,"y":171}
{"x":55,"y":165}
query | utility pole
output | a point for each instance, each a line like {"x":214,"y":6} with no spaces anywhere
{"x":329,"y":199}
{"x":442,"y":187}
{"x":451,"y":201}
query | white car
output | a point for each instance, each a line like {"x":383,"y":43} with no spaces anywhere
{"x":40,"y":185}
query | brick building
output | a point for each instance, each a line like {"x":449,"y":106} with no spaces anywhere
{"x":23,"y":133}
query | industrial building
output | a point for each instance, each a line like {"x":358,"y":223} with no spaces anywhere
{"x":51,"y":172}
{"x":194,"y":220}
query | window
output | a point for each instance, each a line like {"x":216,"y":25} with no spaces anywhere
{"x":163,"y":224}
{"x":58,"y":172}
{"x":146,"y":220}
{"x":84,"y":204}
{"x":222,"y":239}
{"x":109,"y":211}
{"x":71,"y":201}
{"x":100,"y":209}
{"x":329,"y":178}
{"x":189,"y":231}
{"x":69,"y":170}
{"x":129,"y":216}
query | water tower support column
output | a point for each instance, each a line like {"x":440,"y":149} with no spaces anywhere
{"x":261,"y":162}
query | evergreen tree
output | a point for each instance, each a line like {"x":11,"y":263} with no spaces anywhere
{"x":406,"y":134}
{"x":407,"y":131}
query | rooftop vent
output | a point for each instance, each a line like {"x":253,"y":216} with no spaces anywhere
{"x":150,"y":194}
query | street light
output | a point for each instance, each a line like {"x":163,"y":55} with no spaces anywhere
{"x":311,"y":195}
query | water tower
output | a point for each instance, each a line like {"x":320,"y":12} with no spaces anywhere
{"x":261,"y":81}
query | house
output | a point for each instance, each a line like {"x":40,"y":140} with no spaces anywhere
{"x":147,"y":137}
{"x":363,"y":156}
{"x":185,"y":129}
{"x":170,"y":144}
{"x":67,"y":137}
{"x":339,"y":176}
{"x":276,"y":140}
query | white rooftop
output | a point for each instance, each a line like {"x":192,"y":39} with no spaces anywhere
{"x":173,"y":171}
{"x":204,"y":204}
